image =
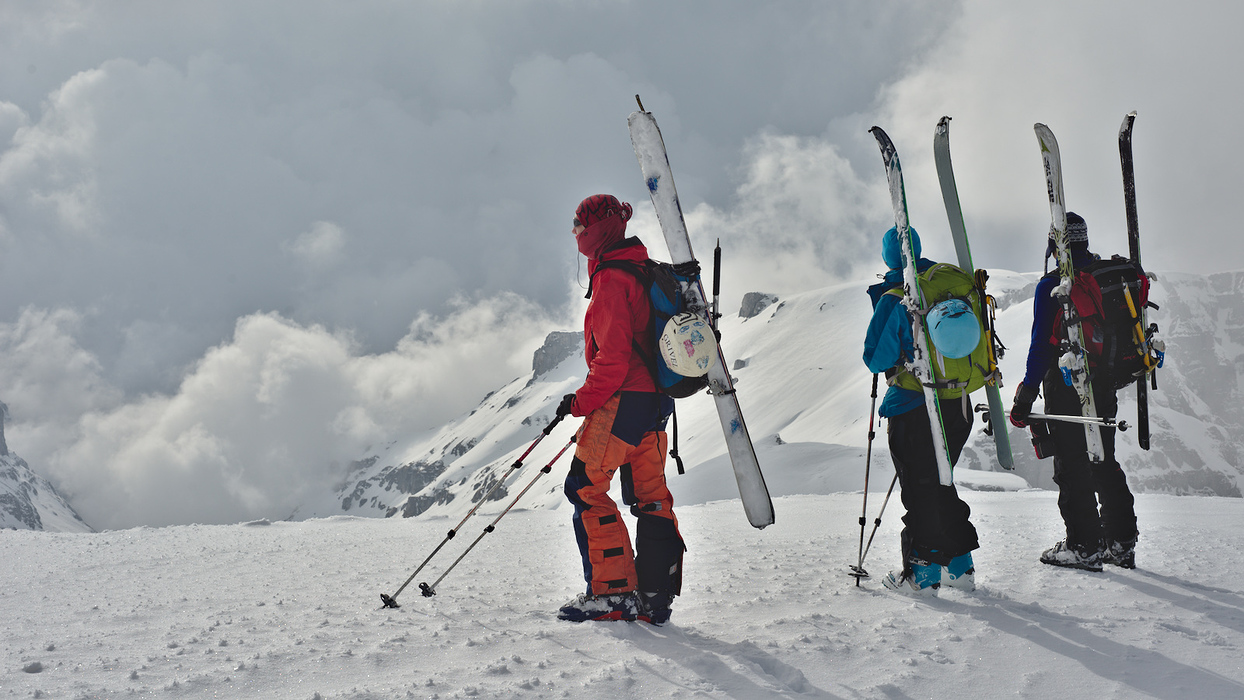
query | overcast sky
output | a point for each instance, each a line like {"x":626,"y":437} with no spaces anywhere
{"x":240,"y":241}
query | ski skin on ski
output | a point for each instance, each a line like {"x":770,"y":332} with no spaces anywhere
{"x":1133,"y":248}
{"x":659,"y":179}
{"x":954,"y":212}
{"x":913,"y":300}
{"x":1073,"y":362}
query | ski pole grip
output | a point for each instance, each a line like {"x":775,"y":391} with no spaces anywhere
{"x":553,"y":423}
{"x":717,"y":270}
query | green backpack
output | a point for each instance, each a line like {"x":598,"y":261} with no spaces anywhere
{"x":953,"y":376}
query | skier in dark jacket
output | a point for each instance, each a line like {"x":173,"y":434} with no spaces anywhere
{"x":937,"y":533}
{"x":1093,"y":537}
{"x":623,"y":431}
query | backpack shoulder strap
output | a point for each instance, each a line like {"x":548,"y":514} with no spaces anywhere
{"x":639,"y":270}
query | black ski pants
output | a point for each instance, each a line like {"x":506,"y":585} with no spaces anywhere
{"x":1093,"y":497}
{"x":936,"y":526}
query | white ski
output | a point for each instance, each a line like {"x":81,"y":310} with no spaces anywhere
{"x":913,"y":300}
{"x":1073,"y":363}
{"x":659,"y":179}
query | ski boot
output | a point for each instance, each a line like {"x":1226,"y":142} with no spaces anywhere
{"x":1121,"y":554}
{"x":654,"y":608}
{"x":1072,"y":557}
{"x":601,"y":608}
{"x":921,"y":579}
{"x":960,"y":573}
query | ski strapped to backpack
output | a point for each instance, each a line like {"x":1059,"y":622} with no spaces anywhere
{"x":954,"y":378}
{"x":658,"y":178}
{"x":685,"y":344}
{"x":1072,"y":361}
{"x":995,"y":418}
{"x":1106,"y":297}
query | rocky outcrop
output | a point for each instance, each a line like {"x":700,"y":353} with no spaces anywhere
{"x":754,"y":303}
{"x":558,"y":346}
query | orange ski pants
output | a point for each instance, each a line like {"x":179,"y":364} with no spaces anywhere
{"x":626,"y":435}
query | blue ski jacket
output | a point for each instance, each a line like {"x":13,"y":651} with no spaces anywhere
{"x":889,"y":340}
{"x":1042,"y":354}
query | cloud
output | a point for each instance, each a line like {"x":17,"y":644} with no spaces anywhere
{"x":48,"y":379}
{"x":260,"y":423}
{"x":186,"y":148}
{"x":801,"y":219}
{"x":320,"y":246}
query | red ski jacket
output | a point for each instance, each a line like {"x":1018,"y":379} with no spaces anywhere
{"x":618,"y":317}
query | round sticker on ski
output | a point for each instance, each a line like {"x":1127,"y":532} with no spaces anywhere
{"x":688,"y":345}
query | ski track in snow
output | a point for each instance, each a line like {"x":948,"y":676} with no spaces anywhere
{"x":292,"y":610}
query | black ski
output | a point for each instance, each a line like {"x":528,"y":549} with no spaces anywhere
{"x":1133,"y":248}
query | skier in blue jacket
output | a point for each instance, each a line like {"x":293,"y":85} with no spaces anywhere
{"x":937,"y":533}
{"x":1093,"y":536}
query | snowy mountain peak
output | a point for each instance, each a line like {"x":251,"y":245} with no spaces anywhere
{"x":30,"y":502}
{"x":4,"y":413}
{"x":27,"y":500}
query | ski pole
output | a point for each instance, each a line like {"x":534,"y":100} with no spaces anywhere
{"x":1083,"y":420}
{"x":429,"y":591}
{"x":860,"y":572}
{"x":868,"y":458}
{"x":391,"y":601}
{"x":716,"y":282}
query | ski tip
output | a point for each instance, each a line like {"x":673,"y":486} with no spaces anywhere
{"x":1125,"y":129}
{"x":883,"y":139}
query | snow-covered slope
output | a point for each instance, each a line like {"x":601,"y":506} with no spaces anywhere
{"x":805,"y":395}
{"x":291,"y":610}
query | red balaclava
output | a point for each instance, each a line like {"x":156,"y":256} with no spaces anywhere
{"x":605,"y":220}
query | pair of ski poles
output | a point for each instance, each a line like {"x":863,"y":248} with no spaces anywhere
{"x":857,"y":570}
{"x":390,"y":601}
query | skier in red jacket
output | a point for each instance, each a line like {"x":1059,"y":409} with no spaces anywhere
{"x":623,"y":431}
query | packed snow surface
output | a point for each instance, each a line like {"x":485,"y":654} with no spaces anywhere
{"x":292,"y":610}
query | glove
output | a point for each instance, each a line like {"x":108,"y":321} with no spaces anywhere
{"x":691,"y":268}
{"x":1022,"y":406}
{"x":563,"y":408}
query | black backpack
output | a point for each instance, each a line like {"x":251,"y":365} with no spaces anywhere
{"x":1111,"y":327}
